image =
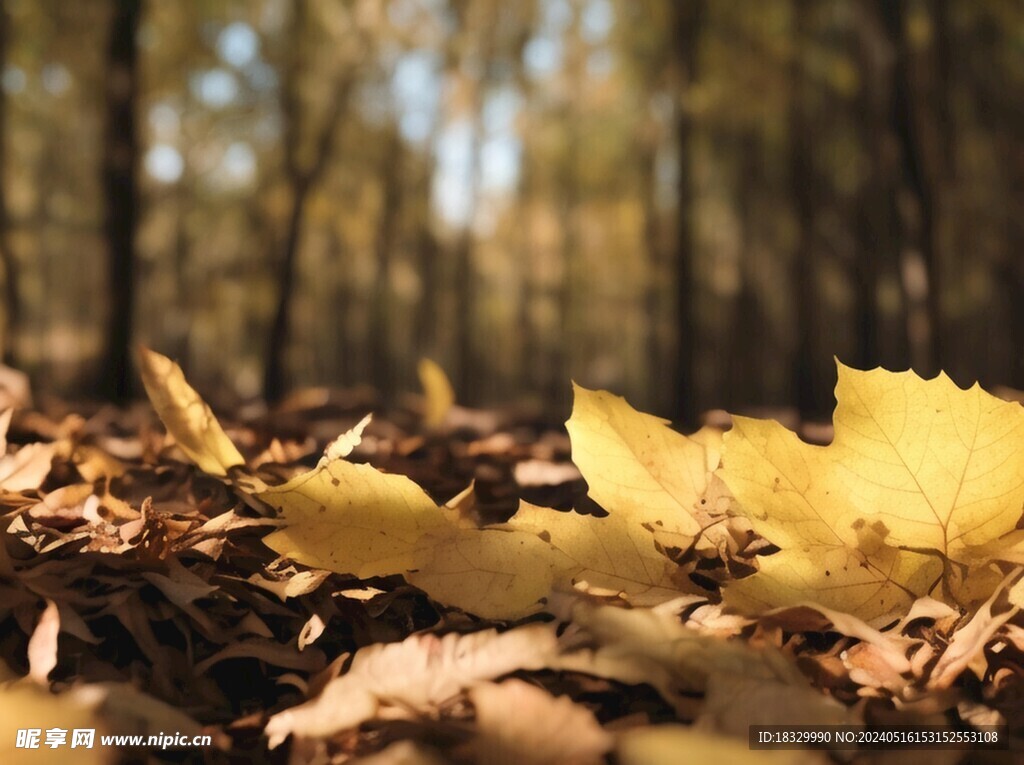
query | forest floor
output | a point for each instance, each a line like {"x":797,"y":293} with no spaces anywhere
{"x":138,"y":596}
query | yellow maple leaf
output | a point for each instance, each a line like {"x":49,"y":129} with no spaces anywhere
{"x":920,"y":478}
{"x":638,"y":467}
{"x":186,"y":416}
{"x":613,"y":553}
{"x":356,"y":520}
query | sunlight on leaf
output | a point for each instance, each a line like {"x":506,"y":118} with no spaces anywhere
{"x":186,"y":416}
{"x":920,"y":473}
{"x":635,"y":465}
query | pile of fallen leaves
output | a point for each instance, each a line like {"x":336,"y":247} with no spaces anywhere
{"x":390,"y":595}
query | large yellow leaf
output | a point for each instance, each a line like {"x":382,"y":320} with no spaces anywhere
{"x":186,"y":416}
{"x":920,"y":477}
{"x":642,"y":472}
{"x":357,"y":520}
{"x":613,"y":553}
{"x":354,"y":519}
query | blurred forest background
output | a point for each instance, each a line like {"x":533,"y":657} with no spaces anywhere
{"x":692,"y":203}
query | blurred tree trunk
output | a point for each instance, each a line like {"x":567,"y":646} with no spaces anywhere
{"x":687,"y":21}
{"x":921,"y":263}
{"x":526,"y":334}
{"x":657,"y":267}
{"x":464,"y":277}
{"x":877,"y":222}
{"x":742,"y":385}
{"x":12,"y":306}
{"x":475,"y":46}
{"x":804,"y":191}
{"x":1002,"y":123}
{"x":387,"y":228}
{"x":568,"y":195}
{"x":121,"y":196}
{"x":302,"y":177}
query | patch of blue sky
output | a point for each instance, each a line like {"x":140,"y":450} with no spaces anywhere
{"x":452,"y":185}
{"x":542,"y":55}
{"x":164,"y":163}
{"x":216,"y":88}
{"x":500,"y":159}
{"x":597,"y":20}
{"x":416,"y":89}
{"x":501,"y":107}
{"x":238,"y":44}
{"x":238,"y":164}
{"x":14,"y":80}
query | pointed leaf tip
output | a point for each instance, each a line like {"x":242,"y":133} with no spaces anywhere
{"x":185,"y":415}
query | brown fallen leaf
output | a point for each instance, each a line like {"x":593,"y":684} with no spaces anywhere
{"x":965,"y":650}
{"x":520,"y":724}
{"x":27,"y":467}
{"x":42,"y":646}
{"x":417,"y":674}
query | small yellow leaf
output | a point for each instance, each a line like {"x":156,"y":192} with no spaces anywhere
{"x":438,"y":391}
{"x":920,"y":473}
{"x":186,"y":416}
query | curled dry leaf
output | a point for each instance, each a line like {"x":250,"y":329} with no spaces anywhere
{"x":966,"y":648}
{"x":416,"y":674}
{"x":652,"y":646}
{"x":542,"y":730}
{"x":27,"y":467}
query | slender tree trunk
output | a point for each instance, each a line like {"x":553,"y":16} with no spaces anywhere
{"x":803,"y":184}
{"x":742,"y":386}
{"x":387,"y":228}
{"x":919,"y":225}
{"x":8,"y":261}
{"x":468,"y":367}
{"x":687,"y":22}
{"x":120,"y":190}
{"x":877,"y":212}
{"x":303,"y":179}
{"x":654,"y":290}
{"x":465,"y":272}
{"x":560,"y":367}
